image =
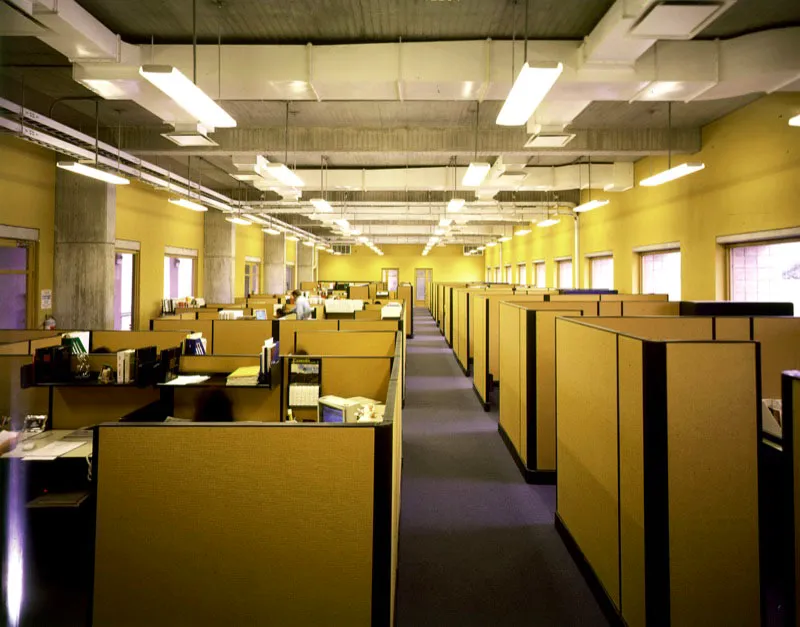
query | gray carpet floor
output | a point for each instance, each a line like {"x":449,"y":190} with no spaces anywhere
{"x":477,"y":544}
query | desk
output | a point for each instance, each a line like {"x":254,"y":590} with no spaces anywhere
{"x":44,"y":438}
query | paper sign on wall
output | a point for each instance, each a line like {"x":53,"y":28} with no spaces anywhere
{"x":47,"y":299}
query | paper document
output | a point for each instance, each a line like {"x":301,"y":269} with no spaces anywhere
{"x":188,"y":379}
{"x":51,"y":451}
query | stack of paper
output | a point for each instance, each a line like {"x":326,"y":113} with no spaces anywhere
{"x":244,"y":376}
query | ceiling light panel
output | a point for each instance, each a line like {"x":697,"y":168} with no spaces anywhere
{"x":92,"y":172}
{"x":475,"y":174}
{"x":529,"y":89}
{"x":188,"y":204}
{"x":673,"y":173}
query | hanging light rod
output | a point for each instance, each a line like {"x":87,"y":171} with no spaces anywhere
{"x":529,"y":89}
{"x":92,"y":172}
{"x":673,"y":173}
{"x":188,"y":204}
{"x":187,"y":95}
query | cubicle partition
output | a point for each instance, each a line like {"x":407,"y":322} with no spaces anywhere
{"x":405,"y":292}
{"x":204,"y":326}
{"x":326,"y":553}
{"x":113,"y":341}
{"x":658,"y":472}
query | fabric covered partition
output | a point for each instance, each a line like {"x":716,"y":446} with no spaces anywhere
{"x":115,"y":341}
{"x":657,"y":475}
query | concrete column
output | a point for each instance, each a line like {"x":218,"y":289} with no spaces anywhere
{"x":274,"y":263}
{"x":219,"y":258}
{"x":85,"y":231}
{"x":305,"y":263}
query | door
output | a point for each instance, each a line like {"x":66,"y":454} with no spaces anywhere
{"x":424,"y":276}
{"x":391,"y":276}
{"x":15,"y":283}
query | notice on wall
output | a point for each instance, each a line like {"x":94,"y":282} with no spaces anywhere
{"x":47,"y":299}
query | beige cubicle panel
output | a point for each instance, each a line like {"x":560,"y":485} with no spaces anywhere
{"x":571,"y":298}
{"x":361,"y":343}
{"x":114,"y":341}
{"x":650,"y":308}
{"x":208,"y":315}
{"x":14,"y":401}
{"x":730,"y":328}
{"x":633,"y":297}
{"x":369,"y":325}
{"x":241,"y":337}
{"x":204,"y":326}
{"x":76,"y":406}
{"x":247,"y":404}
{"x":657,"y":475}
{"x":367,"y":314}
{"x":661,"y":327}
{"x":405,"y":292}
{"x":296,"y":551}
{"x":359,"y":292}
{"x":780,"y":350}
{"x":289,"y":327}
{"x":20,"y":335}
{"x":22,"y":347}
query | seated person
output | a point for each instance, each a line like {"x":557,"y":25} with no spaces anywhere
{"x":213,"y":405}
{"x":301,"y":306}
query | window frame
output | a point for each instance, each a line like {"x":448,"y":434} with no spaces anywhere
{"x":749,"y":244}
{"x":194,"y":259}
{"x":31,"y":278}
{"x":535,"y":270}
{"x":652,"y":251}
{"x":522,"y":268}
{"x":559,"y":263}
{"x":592,"y":259}
{"x":135,"y":279}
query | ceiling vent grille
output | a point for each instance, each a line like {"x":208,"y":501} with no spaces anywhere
{"x":341,"y":249}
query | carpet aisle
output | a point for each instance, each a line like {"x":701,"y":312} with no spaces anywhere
{"x":477,"y":544}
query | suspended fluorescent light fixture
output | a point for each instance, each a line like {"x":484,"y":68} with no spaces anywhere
{"x":321,"y":205}
{"x":505,"y":238}
{"x":481,"y":248}
{"x":445,"y":222}
{"x":308,"y":242}
{"x":475,"y":174}
{"x":795,"y":121}
{"x":490,"y":244}
{"x":589,"y":205}
{"x":342,"y":223}
{"x":548,"y":222}
{"x":523,"y":230}
{"x":673,"y":173}
{"x":363,"y":239}
{"x":187,"y":95}
{"x":239,"y":221}
{"x":529,"y":89}
{"x":292,"y":238}
{"x":271,"y":230}
{"x":455,"y":204}
{"x":281,"y":173}
{"x":92,"y":172}
{"x":440,"y":231}
{"x":188,"y":204}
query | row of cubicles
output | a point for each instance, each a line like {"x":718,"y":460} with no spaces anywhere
{"x":252,"y":522}
{"x":673,"y":498}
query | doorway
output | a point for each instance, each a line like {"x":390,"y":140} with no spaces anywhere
{"x":124,"y":290}
{"x":289,"y":278}
{"x":423,"y":278}
{"x":391,"y":276}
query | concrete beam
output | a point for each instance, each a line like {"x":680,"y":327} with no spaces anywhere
{"x":219,"y":258}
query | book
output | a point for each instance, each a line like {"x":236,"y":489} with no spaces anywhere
{"x":247,"y":375}
{"x":125,"y":364}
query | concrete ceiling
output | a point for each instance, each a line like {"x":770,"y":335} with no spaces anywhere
{"x":375,"y":132}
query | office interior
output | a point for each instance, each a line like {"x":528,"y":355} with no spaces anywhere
{"x":399,"y":312}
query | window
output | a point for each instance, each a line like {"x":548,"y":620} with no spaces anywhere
{"x":391,"y":276}
{"x":498,"y":277}
{"x":539,"y":273}
{"x":522,"y":274}
{"x":765,"y":272}
{"x":251,"y":277}
{"x":15,"y":279}
{"x":601,"y":271}
{"x":488,"y":275}
{"x":661,"y":273}
{"x":509,"y":276}
{"x":178,"y":277}
{"x":124,"y":267}
{"x":564,"y":269}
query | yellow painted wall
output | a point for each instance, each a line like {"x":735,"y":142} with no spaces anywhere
{"x":249,"y":243}
{"x":291,"y":251}
{"x":28,"y":199}
{"x":751,"y":183}
{"x":448,"y":264}
{"x":145,"y":215}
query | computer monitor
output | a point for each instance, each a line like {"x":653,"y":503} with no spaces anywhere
{"x":329,"y":413}
{"x":261,"y":314}
{"x":334,"y":409}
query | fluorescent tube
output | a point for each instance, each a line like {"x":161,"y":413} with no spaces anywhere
{"x":239,"y":221}
{"x":490,"y":244}
{"x":187,"y":95}
{"x":308,"y":242}
{"x":548,"y":222}
{"x":505,"y":238}
{"x":321,"y":205}
{"x":455,"y":204}
{"x":92,"y":172}
{"x":795,"y":121}
{"x":188,"y":204}
{"x":670,"y":175}
{"x":271,"y":231}
{"x":281,"y":173}
{"x":475,"y":174}
{"x":522,"y":231}
{"x":445,"y":222}
{"x":527,"y":92}
{"x":588,"y":206}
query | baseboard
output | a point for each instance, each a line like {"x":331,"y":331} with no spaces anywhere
{"x":483,"y":403}
{"x":601,"y":596}
{"x":464,"y":370}
{"x":535,"y":477}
